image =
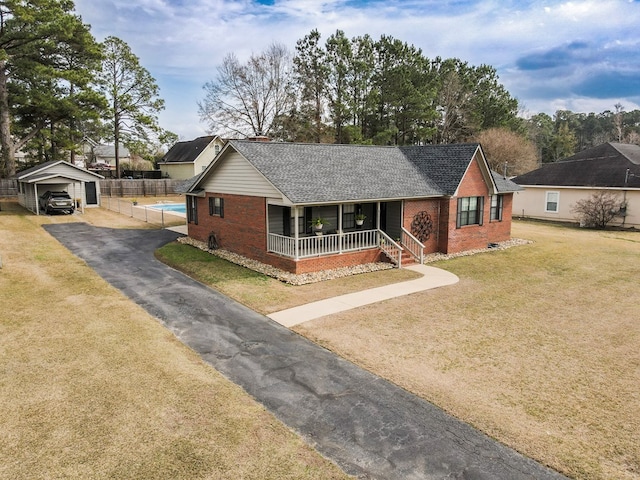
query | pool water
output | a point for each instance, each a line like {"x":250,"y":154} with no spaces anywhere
{"x":170,"y":207}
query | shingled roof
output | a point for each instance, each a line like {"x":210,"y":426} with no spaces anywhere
{"x":187,"y":152}
{"x":602,"y":166}
{"x":319,"y":173}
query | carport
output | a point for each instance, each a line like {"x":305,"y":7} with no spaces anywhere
{"x":81,"y":184}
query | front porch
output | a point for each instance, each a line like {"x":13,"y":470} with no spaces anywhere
{"x":346,"y":228}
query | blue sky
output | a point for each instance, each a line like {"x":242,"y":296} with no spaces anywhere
{"x":581,"y":55}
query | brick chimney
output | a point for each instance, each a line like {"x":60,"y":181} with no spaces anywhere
{"x":258,"y":138}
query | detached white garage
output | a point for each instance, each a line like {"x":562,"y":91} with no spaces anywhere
{"x":58,"y":176}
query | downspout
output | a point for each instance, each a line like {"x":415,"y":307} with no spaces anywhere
{"x":438,"y":229}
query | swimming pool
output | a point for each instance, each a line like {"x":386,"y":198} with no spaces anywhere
{"x":170,"y":207}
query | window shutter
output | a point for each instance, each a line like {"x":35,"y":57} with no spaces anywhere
{"x":459,"y":214}
{"x":221,"y":207}
{"x":480,"y":210}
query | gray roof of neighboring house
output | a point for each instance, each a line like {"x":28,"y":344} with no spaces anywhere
{"x":601,"y":166}
{"x":187,"y":152}
{"x":109,"y":151}
{"x":316,"y":172}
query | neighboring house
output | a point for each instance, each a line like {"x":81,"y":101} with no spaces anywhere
{"x":186,"y":159}
{"x":551,"y":191}
{"x":58,"y":176}
{"x":262,"y":199}
{"x":106,"y":155}
{"x":101,"y":159}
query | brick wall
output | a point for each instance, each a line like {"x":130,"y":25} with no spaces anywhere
{"x":412,"y":208}
{"x":243,"y":228}
{"x":470,"y":237}
{"x":243,"y":231}
{"x":329,"y":262}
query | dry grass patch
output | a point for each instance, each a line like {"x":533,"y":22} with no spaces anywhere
{"x":537,"y":346}
{"x":94,"y":387}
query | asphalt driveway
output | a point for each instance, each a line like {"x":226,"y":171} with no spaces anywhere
{"x":368,"y":426}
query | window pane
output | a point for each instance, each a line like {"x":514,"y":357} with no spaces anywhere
{"x":552,"y":201}
{"x":469,"y":211}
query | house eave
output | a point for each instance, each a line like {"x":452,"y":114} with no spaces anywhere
{"x":364,"y":200}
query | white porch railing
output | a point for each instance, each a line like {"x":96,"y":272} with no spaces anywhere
{"x":391,"y":248}
{"x":326,"y":244}
{"x":318,"y":245}
{"x":414,"y":246}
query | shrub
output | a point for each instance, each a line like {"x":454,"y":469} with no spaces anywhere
{"x":598,"y":210}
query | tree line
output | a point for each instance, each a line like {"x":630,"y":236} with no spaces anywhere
{"x":58,"y":86}
{"x":357,"y":90}
{"x":387,"y":92}
{"x":567,"y":132}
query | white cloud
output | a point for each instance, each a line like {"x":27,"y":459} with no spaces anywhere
{"x":182,"y":41}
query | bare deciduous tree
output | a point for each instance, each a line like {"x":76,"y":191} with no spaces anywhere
{"x":507,"y":152}
{"x":597,"y":210}
{"x":245,"y":99}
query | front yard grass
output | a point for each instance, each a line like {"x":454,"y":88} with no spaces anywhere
{"x":93,"y":387}
{"x":537,"y":345}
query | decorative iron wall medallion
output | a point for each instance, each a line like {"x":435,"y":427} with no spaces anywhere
{"x":422,"y":226}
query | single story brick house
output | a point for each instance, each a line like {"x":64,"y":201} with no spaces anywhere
{"x":551,"y":191}
{"x":310,"y":207}
{"x":187,"y":159}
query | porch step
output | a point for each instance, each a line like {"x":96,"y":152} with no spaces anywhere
{"x":408,"y":259}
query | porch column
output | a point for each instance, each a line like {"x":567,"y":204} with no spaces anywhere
{"x":296,"y":246}
{"x":35,"y":193}
{"x":83,"y":195}
{"x":340,"y":232}
{"x":378,"y":216}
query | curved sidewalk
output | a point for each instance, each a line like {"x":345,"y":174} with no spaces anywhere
{"x":432,"y":278}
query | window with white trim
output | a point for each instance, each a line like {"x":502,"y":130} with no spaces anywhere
{"x":552,"y":201}
{"x":469,"y":211}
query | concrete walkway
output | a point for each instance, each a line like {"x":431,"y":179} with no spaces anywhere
{"x":432,"y":278}
{"x":370,"y":427}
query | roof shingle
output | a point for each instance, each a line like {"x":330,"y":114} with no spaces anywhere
{"x":601,"y":166}
{"x":187,"y":152}
{"x":319,"y":173}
